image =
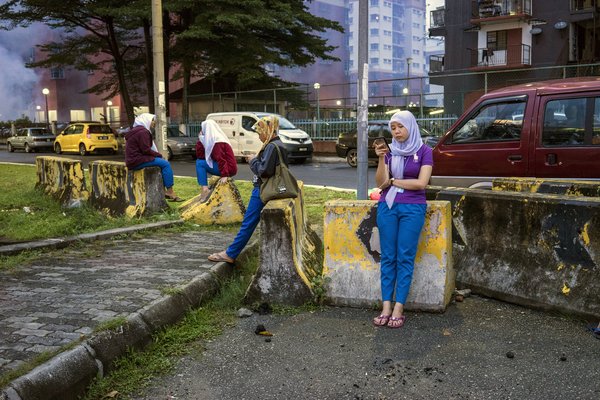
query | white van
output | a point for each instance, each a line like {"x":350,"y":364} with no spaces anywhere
{"x":244,"y":140}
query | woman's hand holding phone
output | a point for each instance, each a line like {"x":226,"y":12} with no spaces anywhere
{"x":381,"y":146}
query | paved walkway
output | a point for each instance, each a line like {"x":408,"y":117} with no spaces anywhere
{"x":55,"y":299}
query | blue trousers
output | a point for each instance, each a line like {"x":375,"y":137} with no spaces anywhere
{"x":202,"y":170}
{"x":165,"y":169}
{"x":399,"y":231}
{"x":249,"y":224}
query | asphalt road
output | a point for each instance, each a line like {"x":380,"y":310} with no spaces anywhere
{"x":477,"y":349}
{"x":327,"y":171}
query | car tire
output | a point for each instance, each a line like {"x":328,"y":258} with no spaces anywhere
{"x":27,"y":148}
{"x":82,"y":150}
{"x":169,"y":154}
{"x":351,"y":158}
{"x":9,"y":147}
{"x":57,"y":148}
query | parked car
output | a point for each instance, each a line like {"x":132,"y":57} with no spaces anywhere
{"x":178,"y":144}
{"x":545,"y":129}
{"x":86,"y":137}
{"x":30,"y":140}
{"x":346,"y":144}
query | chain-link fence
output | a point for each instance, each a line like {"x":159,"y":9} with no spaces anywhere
{"x":325,"y":110}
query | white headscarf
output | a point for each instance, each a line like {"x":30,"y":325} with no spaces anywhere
{"x":211,"y":134}
{"x":144,"y":120}
{"x":401,"y":150}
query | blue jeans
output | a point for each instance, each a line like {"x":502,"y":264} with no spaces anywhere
{"x":202,"y":169}
{"x":399,"y":231}
{"x":249,"y":224}
{"x":165,"y":169}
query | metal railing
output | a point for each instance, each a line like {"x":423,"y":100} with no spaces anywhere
{"x":498,"y":8}
{"x":513,"y":55}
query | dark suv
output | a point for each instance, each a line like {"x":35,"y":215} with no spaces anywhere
{"x":347,"y":142}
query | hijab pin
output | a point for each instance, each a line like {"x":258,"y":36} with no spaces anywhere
{"x":416,"y":157}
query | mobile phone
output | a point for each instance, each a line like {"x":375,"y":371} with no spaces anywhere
{"x":380,"y":140}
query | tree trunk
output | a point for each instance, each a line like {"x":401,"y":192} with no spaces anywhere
{"x":149,"y":66}
{"x":185,"y":105}
{"x":120,"y":70}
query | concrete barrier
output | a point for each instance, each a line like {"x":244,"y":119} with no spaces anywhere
{"x":549,"y":186}
{"x":352,"y":255}
{"x":224,"y":206}
{"x":291,"y":255}
{"x":62,"y":179}
{"x":539,"y":250}
{"x":118,"y":191}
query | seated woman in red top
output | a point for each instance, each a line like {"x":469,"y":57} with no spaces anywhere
{"x":139,"y":153}
{"x":214,"y":155}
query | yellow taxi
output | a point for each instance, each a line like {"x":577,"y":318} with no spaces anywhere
{"x":86,"y":137}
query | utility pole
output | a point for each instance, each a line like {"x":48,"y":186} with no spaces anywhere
{"x":159,"y":78}
{"x":363,"y":99}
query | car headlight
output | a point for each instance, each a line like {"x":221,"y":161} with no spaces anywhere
{"x":282,"y":136}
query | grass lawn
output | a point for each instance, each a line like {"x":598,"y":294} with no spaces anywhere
{"x":27,"y":214}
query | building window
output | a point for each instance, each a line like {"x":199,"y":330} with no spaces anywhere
{"x":374,"y":32}
{"x":387,"y":61}
{"x":57,"y":73}
{"x":374,"y":3}
{"x":387,"y":4}
{"x":374,"y":17}
{"x":496,"y":40}
{"x":374,"y":46}
{"x":416,"y":52}
{"x":387,"y":33}
{"x":415,"y":25}
{"x":374,"y":61}
{"x":387,"y":19}
{"x":387,"y":46}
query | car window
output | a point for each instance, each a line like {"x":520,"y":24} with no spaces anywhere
{"x":374,"y":130}
{"x":248,"y":123}
{"x":492,"y":122}
{"x":77,"y":129}
{"x":564,"y":122}
{"x":595,"y":141}
{"x":22,"y":132}
{"x":99,"y":129}
{"x":39,"y":132}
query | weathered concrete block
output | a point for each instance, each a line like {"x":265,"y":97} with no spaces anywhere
{"x":290,"y":255}
{"x":352,"y":256}
{"x":61,"y":178}
{"x":65,"y":377}
{"x":549,"y":186}
{"x":224,"y":206}
{"x":539,"y":250}
{"x":118,"y":191}
{"x":165,"y":311}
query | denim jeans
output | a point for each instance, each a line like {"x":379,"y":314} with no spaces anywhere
{"x":399,"y":231}
{"x":165,"y":169}
{"x":202,"y":170}
{"x":249,"y":224}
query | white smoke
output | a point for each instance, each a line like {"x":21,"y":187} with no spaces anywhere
{"x":18,"y":83}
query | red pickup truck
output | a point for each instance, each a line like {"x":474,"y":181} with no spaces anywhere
{"x":548,"y":129}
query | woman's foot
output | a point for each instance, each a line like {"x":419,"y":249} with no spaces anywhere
{"x":221,"y":257}
{"x":205,"y":194}
{"x":382,"y":320}
{"x":396,"y":322}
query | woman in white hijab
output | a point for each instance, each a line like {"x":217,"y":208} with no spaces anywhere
{"x":403,"y":173}
{"x":214,"y":155}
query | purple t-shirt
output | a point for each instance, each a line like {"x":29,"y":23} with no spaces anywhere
{"x":412,"y":167}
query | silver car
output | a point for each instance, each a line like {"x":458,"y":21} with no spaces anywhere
{"x":178,"y":144}
{"x":31,"y":139}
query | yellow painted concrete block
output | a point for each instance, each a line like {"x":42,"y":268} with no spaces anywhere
{"x":352,"y":254}
{"x":224,"y":206}
{"x":62,"y":178}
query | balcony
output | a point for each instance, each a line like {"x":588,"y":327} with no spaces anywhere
{"x":436,"y":64}
{"x":438,"y":22}
{"x":582,"y":5}
{"x":513,"y":56}
{"x":484,"y":10}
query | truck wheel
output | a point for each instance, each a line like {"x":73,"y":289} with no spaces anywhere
{"x":351,"y":158}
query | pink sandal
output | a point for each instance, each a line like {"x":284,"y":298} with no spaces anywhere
{"x":382,"y":320}
{"x":396,"y":322}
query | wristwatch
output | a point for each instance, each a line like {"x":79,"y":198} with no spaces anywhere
{"x":391,"y":181}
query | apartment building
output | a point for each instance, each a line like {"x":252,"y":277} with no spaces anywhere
{"x":510,"y":41}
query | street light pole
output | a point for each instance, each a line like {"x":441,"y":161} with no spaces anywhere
{"x":107,"y":111}
{"x":317,"y":86}
{"x":408,"y":62}
{"x":46,"y":92}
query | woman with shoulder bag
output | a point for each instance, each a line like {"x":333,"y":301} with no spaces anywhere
{"x":263,"y":166}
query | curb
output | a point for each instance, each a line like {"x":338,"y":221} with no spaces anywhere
{"x":59,"y":243}
{"x":67,"y":375}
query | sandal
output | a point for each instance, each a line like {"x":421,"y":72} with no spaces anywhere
{"x":382,"y":320}
{"x":396,"y":322}
{"x":221,"y":257}
{"x":175,"y":199}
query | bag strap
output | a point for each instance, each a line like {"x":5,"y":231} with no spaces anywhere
{"x":279,"y":154}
